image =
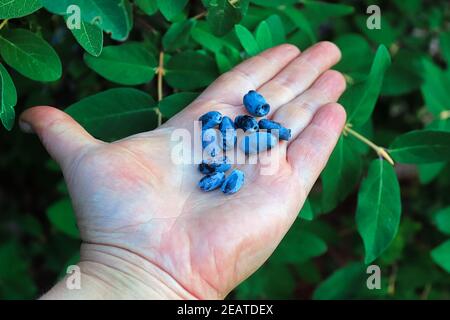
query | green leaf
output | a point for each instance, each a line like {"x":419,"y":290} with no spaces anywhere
{"x":321,"y":10}
{"x":298,"y":246}
{"x":441,"y":255}
{"x":171,"y":9}
{"x":361,"y":98}
{"x":429,"y":171}
{"x":127,"y":64}
{"x":111,"y":16}
{"x":264,"y":36}
{"x":15,"y":279}
{"x":379,"y":209}
{"x":18,"y":8}
{"x":62,"y":217}
{"x":444,"y":41}
{"x":277,"y":30}
{"x":171,"y":105}
{"x":90,"y":37}
{"x":30,"y":55}
{"x":342,"y":284}
{"x":355,"y":53}
{"x":340,"y":175}
{"x":222,"y":15}
{"x":386,"y":35}
{"x":435,"y":88}
{"x":8,"y":98}
{"x":199,"y":72}
{"x":116,"y":113}
{"x":442,"y":219}
{"x":307,"y":212}
{"x":421,"y":146}
{"x":405,"y":74}
{"x":247,"y":40}
{"x":273,"y":3}
{"x":178,"y":35}
{"x":150,"y":7}
{"x":299,"y":19}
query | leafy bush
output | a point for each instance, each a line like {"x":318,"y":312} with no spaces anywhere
{"x":133,"y":64}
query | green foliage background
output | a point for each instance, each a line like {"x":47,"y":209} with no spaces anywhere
{"x":362,"y":211}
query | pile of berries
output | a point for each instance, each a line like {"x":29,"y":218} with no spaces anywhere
{"x":259,"y":136}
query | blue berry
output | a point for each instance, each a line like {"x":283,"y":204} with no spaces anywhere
{"x":246,"y":123}
{"x":212,"y":181}
{"x":257,"y":142}
{"x":228,"y":131}
{"x":255,"y":104}
{"x":210,"y":119}
{"x":269,"y":125}
{"x":214,"y":165}
{"x":210,"y":142}
{"x":233,"y":183}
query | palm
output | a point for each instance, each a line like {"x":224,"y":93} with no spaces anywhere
{"x":130,"y":195}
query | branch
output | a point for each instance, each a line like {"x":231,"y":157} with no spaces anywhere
{"x":379,"y":150}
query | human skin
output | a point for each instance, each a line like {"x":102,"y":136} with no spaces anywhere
{"x":147,"y":231}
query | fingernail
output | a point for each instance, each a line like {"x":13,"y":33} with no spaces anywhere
{"x":25,"y":127}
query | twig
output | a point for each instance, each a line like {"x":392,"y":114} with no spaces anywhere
{"x":160,"y":74}
{"x":392,"y":280}
{"x":426,"y":292}
{"x":200,"y":15}
{"x":4,"y":22}
{"x":379,"y":150}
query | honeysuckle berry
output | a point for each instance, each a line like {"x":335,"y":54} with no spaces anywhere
{"x":228,"y":131}
{"x":246,"y":123}
{"x":255,"y":104}
{"x":210,"y":119}
{"x":210,"y":142}
{"x":233,"y":183}
{"x":257,"y":142}
{"x":212,"y":181}
{"x":269,"y":125}
{"x":218,"y":164}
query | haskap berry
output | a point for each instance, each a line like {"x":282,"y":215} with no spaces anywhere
{"x":257,"y":142}
{"x":269,"y":125}
{"x":228,"y":131}
{"x":212,"y":181}
{"x":233,"y":183}
{"x":254,"y":141}
{"x":246,"y":123}
{"x":210,"y":119}
{"x":218,"y":164}
{"x":255,"y":104}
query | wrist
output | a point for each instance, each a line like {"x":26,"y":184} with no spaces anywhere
{"x":114,"y":273}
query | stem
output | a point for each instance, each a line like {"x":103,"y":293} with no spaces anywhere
{"x":4,"y":22}
{"x":392,"y":280}
{"x":379,"y":150}
{"x":160,"y":71}
{"x":444,"y":115}
{"x":199,"y":16}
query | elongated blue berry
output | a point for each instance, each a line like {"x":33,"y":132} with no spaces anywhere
{"x":255,"y":104}
{"x":257,"y":142}
{"x":210,"y":119}
{"x":218,"y":164}
{"x":210,"y":142}
{"x":234,"y":182}
{"x":212,"y":181}
{"x":228,"y":131}
{"x":246,"y":123}
{"x":269,"y":125}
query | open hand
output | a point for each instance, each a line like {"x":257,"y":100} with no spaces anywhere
{"x":145,"y":224}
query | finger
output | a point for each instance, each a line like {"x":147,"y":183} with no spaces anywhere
{"x":300,"y":74}
{"x":60,"y":134}
{"x":230,"y":87}
{"x":309,"y":152}
{"x":297,"y":114}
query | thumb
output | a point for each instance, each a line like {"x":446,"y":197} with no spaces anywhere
{"x":60,"y":134}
